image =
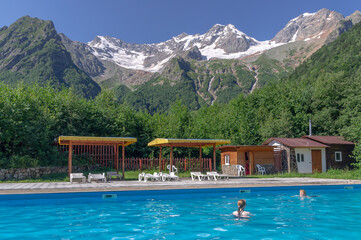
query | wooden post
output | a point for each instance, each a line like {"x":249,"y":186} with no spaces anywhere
{"x":214,"y":158}
{"x":123,"y":155}
{"x":70,"y":158}
{"x":200,"y":159}
{"x":171,"y":159}
{"x":160,"y":158}
{"x":117,"y":156}
{"x":288,"y":160}
{"x":251,"y":163}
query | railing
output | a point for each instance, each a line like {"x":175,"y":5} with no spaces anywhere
{"x":182,"y":164}
{"x":105,"y":156}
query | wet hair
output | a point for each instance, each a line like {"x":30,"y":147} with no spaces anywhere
{"x":303,"y":191}
{"x":241,"y":205}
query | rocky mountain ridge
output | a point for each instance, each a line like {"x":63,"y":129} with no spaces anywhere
{"x":198,"y":69}
{"x":32,"y":51}
{"x":220,"y":42}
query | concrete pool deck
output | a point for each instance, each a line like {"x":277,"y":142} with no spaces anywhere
{"x":183,"y":183}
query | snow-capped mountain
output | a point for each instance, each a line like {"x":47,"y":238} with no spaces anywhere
{"x":309,"y":26}
{"x":224,"y":42}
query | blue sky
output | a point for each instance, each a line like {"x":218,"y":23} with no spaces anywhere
{"x":153,"y":21}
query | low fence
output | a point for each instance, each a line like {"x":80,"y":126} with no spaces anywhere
{"x":105,"y":156}
{"x":182,"y":164}
{"x":130,"y":164}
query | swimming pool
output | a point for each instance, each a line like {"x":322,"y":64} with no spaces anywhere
{"x":184,"y":214}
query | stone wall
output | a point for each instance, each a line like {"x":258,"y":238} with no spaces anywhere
{"x":14,"y":174}
{"x":230,"y":170}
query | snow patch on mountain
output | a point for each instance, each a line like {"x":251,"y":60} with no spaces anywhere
{"x":224,"y":42}
{"x":210,"y":52}
{"x":221,"y":41}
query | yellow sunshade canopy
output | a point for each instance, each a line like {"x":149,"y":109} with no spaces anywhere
{"x":66,"y":140}
{"x":187,"y":142}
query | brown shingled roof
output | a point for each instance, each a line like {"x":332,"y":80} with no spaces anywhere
{"x":329,"y":139}
{"x":297,"y":142}
{"x":255,"y":148}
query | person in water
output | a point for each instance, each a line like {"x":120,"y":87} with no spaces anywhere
{"x":303,"y":193}
{"x":240,"y":211}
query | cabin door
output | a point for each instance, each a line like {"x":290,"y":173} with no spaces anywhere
{"x":316,"y":161}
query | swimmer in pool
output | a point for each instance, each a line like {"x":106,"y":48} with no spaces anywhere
{"x":303,"y":193}
{"x":240,"y":212}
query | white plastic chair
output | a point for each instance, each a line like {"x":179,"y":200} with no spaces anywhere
{"x":174,"y":169}
{"x":260,"y":169}
{"x":141,"y":176}
{"x":241,"y":171}
{"x":80,"y":176}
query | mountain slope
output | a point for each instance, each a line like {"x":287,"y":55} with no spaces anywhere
{"x":222,"y":80}
{"x":197,"y":69}
{"x":221,"y":42}
{"x":31,"y":51}
{"x":324,"y":88}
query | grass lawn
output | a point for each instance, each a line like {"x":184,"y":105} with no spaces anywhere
{"x":63,"y":177}
{"x":133,"y":175}
{"x":332,"y":173}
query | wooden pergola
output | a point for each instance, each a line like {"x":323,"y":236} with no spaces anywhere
{"x":97,"y":141}
{"x":169,"y":142}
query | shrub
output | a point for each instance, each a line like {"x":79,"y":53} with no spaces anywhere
{"x":17,"y":161}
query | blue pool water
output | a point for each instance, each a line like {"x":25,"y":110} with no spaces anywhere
{"x":184,"y":214}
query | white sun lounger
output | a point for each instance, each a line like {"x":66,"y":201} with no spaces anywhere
{"x":74,"y":176}
{"x":216,"y":176}
{"x":171,"y":176}
{"x":96,"y":177}
{"x":198,"y":175}
{"x":147,"y":176}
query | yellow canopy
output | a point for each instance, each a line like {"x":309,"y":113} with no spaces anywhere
{"x":187,"y":142}
{"x":65,"y":140}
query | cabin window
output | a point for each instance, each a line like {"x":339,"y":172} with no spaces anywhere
{"x":300,"y":157}
{"x":338,"y":156}
{"x":226,"y":159}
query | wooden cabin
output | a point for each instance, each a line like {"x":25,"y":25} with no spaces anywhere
{"x":248,"y":157}
{"x":300,"y":154}
{"x":338,"y":154}
{"x":311,"y":154}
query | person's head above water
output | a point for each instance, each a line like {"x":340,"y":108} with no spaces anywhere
{"x":241,"y":204}
{"x":302,"y":193}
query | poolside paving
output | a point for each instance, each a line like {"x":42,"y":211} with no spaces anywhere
{"x":184,"y":183}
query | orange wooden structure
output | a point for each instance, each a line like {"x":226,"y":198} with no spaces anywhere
{"x":91,"y":143}
{"x":169,"y":142}
{"x":247,"y":156}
